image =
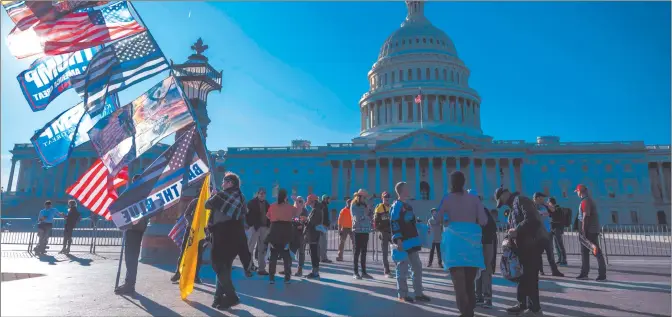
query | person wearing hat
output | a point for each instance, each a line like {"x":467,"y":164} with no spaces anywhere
{"x":361,"y":226}
{"x":590,"y":229}
{"x":381,"y":220}
{"x":530,"y":238}
{"x":435,"y":227}
{"x":326,"y":222}
{"x":313,"y":235}
{"x":544,"y":211}
{"x":344,"y":229}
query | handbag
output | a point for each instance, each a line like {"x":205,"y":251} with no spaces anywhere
{"x":510,"y":265}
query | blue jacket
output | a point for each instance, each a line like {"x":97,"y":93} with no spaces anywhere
{"x":403,"y":222}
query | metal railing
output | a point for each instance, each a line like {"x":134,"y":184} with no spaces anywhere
{"x":23,"y":231}
{"x":615,"y":240}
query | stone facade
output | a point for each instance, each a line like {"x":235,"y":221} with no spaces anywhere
{"x":420,"y":143}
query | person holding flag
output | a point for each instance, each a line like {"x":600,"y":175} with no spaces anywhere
{"x":133,"y":241}
{"x":189,"y":214}
{"x":190,"y":260}
{"x":228,"y":239}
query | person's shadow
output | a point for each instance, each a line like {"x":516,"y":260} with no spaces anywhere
{"x":82,"y":262}
{"x":151,"y":307}
{"x":48,"y":258}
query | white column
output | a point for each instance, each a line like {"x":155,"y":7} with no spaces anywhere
{"x":451,"y":109}
{"x":11,"y":176}
{"x":417,"y":179}
{"x":512,"y":179}
{"x":377,"y":175}
{"x":430,"y":169}
{"x":340,"y":187}
{"x":498,"y":176}
{"x":391,"y":174}
{"x":395,"y":115}
{"x":472,"y":173}
{"x":404,"y":110}
{"x":353,"y":183}
{"x":444,"y":175}
{"x":425,"y":108}
{"x":460,"y":110}
{"x":435,"y":108}
{"x":484,"y":171}
{"x":661,"y":179}
{"x":365,"y":176}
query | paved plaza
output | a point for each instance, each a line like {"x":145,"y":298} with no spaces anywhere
{"x":81,"y":284}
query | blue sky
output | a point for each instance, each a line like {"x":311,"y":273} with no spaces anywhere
{"x":586,"y":71}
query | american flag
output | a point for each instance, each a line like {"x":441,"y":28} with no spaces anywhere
{"x":45,"y":10}
{"x":418,"y":98}
{"x":96,"y":190}
{"x":119,"y":66}
{"x":178,"y":231}
{"x":73,"y":32}
{"x":159,"y":188}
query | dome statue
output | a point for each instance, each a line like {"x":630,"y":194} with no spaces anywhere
{"x":418,"y":82}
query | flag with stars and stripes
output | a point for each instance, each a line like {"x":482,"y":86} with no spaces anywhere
{"x":119,"y":66}
{"x":136,"y":127}
{"x":45,"y":10}
{"x":159,"y":187}
{"x":96,"y":189}
{"x":72,"y":32}
{"x":178,"y":231}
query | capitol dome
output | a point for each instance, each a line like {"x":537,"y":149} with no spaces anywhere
{"x":418,"y":59}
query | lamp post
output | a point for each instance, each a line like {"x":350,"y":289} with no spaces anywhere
{"x":198,"y":79}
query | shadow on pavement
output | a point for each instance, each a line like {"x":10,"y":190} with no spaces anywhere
{"x":204,"y":308}
{"x":48,"y":258}
{"x":81,"y":261}
{"x":151,"y":307}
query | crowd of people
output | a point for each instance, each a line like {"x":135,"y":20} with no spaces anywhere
{"x":240,"y":228}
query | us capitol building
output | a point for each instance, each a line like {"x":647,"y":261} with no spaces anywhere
{"x":420,"y":143}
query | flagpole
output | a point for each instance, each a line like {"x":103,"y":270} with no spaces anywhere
{"x":121,"y":256}
{"x":179,"y":87}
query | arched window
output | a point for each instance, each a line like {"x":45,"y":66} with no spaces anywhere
{"x":424,"y":190}
{"x":401,"y":75}
{"x":410,"y":74}
{"x":445,"y":74}
{"x":419,"y":73}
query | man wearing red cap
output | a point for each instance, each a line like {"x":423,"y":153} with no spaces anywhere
{"x":589,"y":227}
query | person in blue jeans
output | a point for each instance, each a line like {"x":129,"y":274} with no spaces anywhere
{"x":405,"y":236}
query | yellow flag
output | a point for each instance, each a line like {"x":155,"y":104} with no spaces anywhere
{"x":196,"y":234}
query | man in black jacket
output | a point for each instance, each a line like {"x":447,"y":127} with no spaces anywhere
{"x":132,"y":244}
{"x":189,"y":214}
{"x":381,"y":220}
{"x":558,"y":219}
{"x":326,"y":221}
{"x":259,"y":223}
{"x":530,"y":237}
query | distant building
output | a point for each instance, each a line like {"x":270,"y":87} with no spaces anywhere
{"x":420,"y":143}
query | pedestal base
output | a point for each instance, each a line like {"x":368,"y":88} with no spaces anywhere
{"x":159,"y":248}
